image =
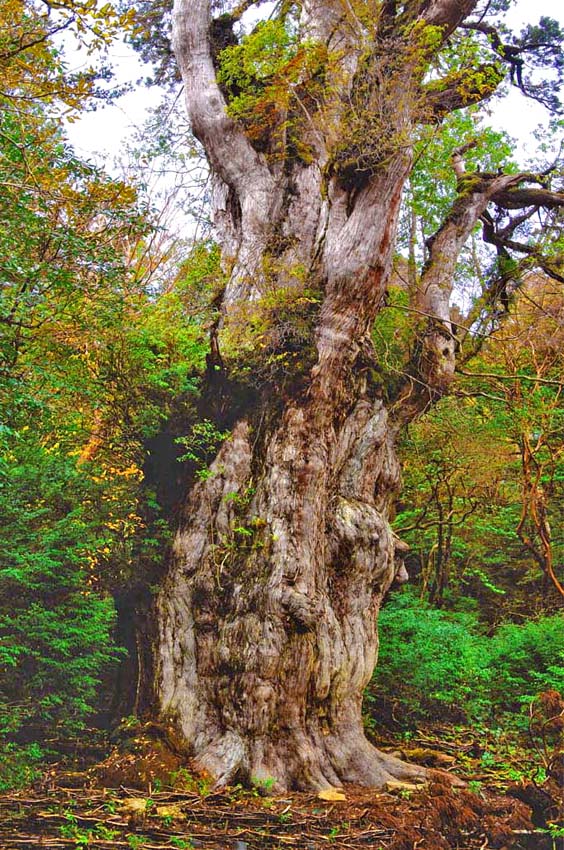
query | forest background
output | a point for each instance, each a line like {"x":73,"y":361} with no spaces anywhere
{"x":105,"y":317}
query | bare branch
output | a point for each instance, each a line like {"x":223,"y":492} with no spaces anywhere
{"x":503,"y":242}
{"x":448,"y":14}
{"x":495,"y":376}
{"x":230,"y":153}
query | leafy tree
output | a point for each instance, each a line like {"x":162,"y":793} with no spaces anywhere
{"x":55,"y":627}
{"x":459,"y":506}
{"x":482,"y":500}
{"x":55,"y":624}
{"x":265,"y":622}
{"x":34,"y":71}
{"x":311,"y":123}
{"x":91,"y":363}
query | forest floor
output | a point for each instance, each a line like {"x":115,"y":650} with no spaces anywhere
{"x":79,"y":809}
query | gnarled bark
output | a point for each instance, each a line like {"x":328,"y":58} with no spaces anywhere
{"x":265,"y":649}
{"x":267,"y":616}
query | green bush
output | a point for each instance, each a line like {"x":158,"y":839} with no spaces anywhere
{"x":430,"y":663}
{"x":440,"y":665}
{"x":525,"y":660}
{"x":18,"y":765}
{"x":55,"y":623}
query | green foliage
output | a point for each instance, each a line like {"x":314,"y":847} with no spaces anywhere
{"x":433,"y":181}
{"x":391,"y":334}
{"x":459,"y":506}
{"x":72,"y":831}
{"x":202,"y":443}
{"x":77,"y":520}
{"x":526,"y":659}
{"x":75,"y":219}
{"x":19,"y":765}
{"x":263,"y":784}
{"x":430,"y":662}
{"x":80,"y":393}
{"x":136,"y":842}
{"x":55,"y":627}
{"x":271,"y":80}
{"x":94,"y":357}
{"x":437,"y":665}
{"x":181,"y":843}
{"x":270,"y":340}
{"x":261,"y":55}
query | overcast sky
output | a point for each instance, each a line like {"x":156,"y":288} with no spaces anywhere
{"x":101,"y":134}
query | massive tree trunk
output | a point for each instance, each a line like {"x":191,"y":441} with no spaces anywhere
{"x":267,"y":616}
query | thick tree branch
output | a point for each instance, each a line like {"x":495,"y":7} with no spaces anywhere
{"x":503,"y":242}
{"x":230,"y":153}
{"x":518,"y":198}
{"x":432,"y":366}
{"x":509,"y":53}
{"x":248,"y":197}
{"x":448,"y":14}
{"x":243,"y":7}
{"x":460,"y":89}
{"x":320,"y":17}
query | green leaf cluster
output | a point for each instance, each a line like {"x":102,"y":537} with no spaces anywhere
{"x":273,"y":81}
{"x":439,"y":665}
{"x":246,"y":67}
{"x":19,"y":765}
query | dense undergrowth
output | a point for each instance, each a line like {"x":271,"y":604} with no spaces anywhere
{"x":437,"y":665}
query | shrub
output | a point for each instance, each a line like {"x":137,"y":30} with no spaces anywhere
{"x":430,"y":663}
{"x":18,"y":765}
{"x":525,"y":660}
{"x":55,"y":624}
{"x":440,"y":665}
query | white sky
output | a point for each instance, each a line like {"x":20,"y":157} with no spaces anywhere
{"x":101,"y":134}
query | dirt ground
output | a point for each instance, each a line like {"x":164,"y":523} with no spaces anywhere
{"x":431,"y":819}
{"x":142,"y":797}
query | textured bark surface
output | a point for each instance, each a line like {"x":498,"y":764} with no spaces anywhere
{"x":266,"y":646}
{"x":267,"y":617}
{"x":265,"y":653}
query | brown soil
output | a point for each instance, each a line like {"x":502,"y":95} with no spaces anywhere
{"x":437,"y":817}
{"x":142,"y":797}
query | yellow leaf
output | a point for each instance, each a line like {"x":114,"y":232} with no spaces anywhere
{"x":171,"y":811}
{"x":133,"y":804}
